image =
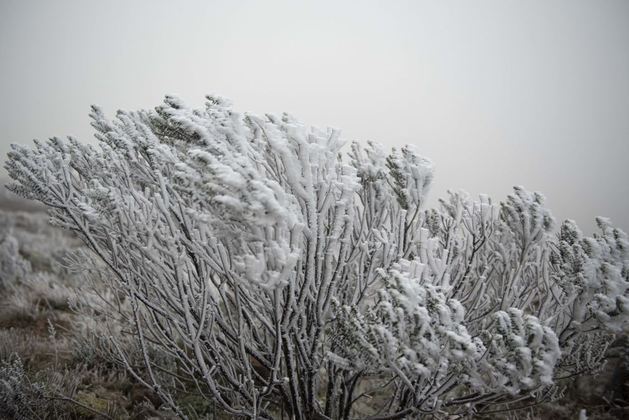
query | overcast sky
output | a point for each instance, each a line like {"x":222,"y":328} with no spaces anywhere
{"x":496,"y":93}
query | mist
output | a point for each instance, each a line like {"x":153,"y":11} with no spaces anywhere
{"x":496,"y":93}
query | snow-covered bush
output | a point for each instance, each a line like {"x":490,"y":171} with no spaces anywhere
{"x":20,"y":398}
{"x":278,"y":274}
{"x":12,"y":265}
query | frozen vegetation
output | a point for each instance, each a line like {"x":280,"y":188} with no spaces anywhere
{"x":213,"y":264}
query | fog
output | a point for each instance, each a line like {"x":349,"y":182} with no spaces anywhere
{"x":496,"y":93}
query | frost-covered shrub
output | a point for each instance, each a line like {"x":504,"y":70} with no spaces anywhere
{"x":43,"y":394}
{"x":259,"y":267}
{"x":12,"y":265}
{"x":20,"y":398}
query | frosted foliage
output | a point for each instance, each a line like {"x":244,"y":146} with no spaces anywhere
{"x":414,"y":331}
{"x":277,"y":272}
{"x":594,"y":273}
{"x":522,"y":352}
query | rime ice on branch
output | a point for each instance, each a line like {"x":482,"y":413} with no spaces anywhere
{"x":278,"y":273}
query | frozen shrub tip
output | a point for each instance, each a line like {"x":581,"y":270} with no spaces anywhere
{"x":257,"y":267}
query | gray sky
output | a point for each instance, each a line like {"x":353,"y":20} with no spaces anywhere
{"x":496,"y":93}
